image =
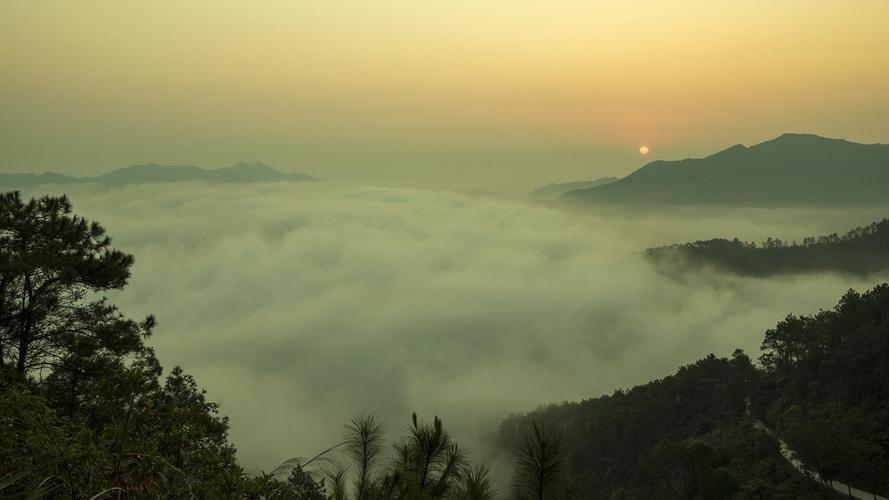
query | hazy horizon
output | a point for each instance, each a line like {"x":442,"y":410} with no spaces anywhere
{"x":496,"y":96}
{"x":510,"y":189}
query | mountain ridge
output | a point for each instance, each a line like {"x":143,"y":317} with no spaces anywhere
{"x":553,"y":190}
{"x":791,"y":169}
{"x":241,"y":172}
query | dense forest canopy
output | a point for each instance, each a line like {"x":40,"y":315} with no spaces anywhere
{"x":822,"y":385}
{"x":861,"y":251}
{"x":825,"y":387}
{"x":685,"y":436}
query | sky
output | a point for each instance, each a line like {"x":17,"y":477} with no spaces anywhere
{"x":501,"y":95}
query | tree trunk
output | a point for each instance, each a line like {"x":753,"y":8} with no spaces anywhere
{"x":3,"y":285}
{"x":25,"y":330}
{"x":23,"y":353}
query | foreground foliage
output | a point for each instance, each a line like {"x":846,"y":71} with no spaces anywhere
{"x":86,"y":412}
{"x":424,"y":465}
{"x":84,"y":408}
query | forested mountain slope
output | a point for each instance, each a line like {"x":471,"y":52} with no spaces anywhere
{"x":861,"y":251}
{"x":823,"y":384}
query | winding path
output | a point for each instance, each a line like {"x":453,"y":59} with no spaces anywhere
{"x":790,"y":456}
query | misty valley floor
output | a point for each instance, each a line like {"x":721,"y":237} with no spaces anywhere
{"x":335,"y":301}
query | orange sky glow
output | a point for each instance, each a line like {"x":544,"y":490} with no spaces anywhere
{"x":424,"y":93}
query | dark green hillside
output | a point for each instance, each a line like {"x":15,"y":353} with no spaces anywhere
{"x":685,"y":436}
{"x":861,"y":251}
{"x":822,"y":385}
{"x":826,"y":388}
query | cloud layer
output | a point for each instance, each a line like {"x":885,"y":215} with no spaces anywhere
{"x":298,"y":307}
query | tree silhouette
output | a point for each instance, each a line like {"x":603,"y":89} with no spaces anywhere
{"x":51,"y":262}
{"x":475,"y":484}
{"x":426,"y":465}
{"x":540,"y":463}
{"x":364,"y":443}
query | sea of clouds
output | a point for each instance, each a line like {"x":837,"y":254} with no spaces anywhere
{"x":298,"y":306}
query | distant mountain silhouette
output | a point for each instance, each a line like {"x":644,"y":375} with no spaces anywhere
{"x":553,"y":190}
{"x":793,"y":169}
{"x":24,"y":180}
{"x":239,"y":173}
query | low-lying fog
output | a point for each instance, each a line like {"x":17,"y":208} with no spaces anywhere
{"x":299,"y":306}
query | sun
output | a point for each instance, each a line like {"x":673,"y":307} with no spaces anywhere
{"x":643,"y":150}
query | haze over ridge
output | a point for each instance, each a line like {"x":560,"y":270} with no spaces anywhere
{"x":790,"y":169}
{"x":500,"y":96}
